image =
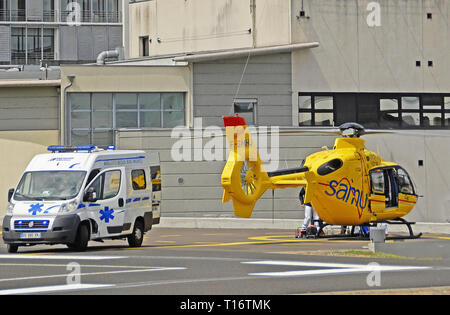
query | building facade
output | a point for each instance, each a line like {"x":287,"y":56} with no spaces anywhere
{"x":382,"y":63}
{"x":58,"y":31}
{"x":36,"y":36}
{"x":285,"y":63}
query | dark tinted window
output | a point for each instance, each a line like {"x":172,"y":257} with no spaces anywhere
{"x":138,"y":179}
{"x":329,"y":167}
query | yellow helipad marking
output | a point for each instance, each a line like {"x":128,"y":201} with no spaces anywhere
{"x":204,"y":243}
{"x":291,"y":239}
{"x":216,"y":234}
{"x":36,"y":254}
{"x":254,"y":240}
{"x":279,"y":233}
{"x":437,"y":237}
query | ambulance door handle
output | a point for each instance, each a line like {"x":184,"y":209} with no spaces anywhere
{"x":120,"y":202}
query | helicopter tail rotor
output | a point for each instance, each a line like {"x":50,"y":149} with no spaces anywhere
{"x":244,"y":177}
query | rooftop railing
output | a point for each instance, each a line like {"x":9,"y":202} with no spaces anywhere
{"x":60,"y":17}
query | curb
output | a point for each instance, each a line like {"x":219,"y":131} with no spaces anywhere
{"x":282,"y":224}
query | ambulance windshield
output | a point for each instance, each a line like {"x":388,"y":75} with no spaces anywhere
{"x":49,"y":185}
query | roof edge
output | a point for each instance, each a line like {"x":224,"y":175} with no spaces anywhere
{"x":245,"y":52}
{"x":29,"y":83}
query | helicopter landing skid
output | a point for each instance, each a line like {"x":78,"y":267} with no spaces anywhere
{"x":408,"y":225}
{"x":363,"y":233}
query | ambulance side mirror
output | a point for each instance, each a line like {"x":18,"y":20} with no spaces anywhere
{"x":90,"y":195}
{"x":10,"y":194}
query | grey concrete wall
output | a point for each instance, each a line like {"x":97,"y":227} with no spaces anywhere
{"x":34,"y":108}
{"x":84,"y":43}
{"x":431,"y":179}
{"x":200,"y":193}
{"x":266,"y":78}
{"x":355,"y":57}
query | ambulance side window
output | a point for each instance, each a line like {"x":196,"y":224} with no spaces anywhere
{"x":97,"y":186}
{"x":156,"y":178}
{"x":93,"y":174}
{"x":112,"y":184}
{"x":138,"y":179}
{"x":107,"y":185}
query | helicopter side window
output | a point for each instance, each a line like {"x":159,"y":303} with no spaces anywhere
{"x":329,"y":167}
{"x":384,"y":182}
{"x":377,"y":177}
{"x":405,"y":185}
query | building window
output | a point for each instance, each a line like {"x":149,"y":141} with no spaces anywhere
{"x":144,"y":46}
{"x":4,"y":10}
{"x":48,"y":13}
{"x":389,"y":112}
{"x":246,"y":108}
{"x":18,"y":52}
{"x":94,"y":116}
{"x":432,"y":109}
{"x":376,"y":110}
{"x":447,"y":112}
{"x":93,"y":11}
{"x":410,"y":111}
{"x":127,"y":110}
{"x":316,"y":110}
{"x":18,"y":12}
{"x":31,"y":45}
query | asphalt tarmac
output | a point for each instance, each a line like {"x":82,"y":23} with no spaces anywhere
{"x":224,"y":262}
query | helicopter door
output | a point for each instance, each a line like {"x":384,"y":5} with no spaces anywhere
{"x":391,"y":186}
{"x":384,"y":189}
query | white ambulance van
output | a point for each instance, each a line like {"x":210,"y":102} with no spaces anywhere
{"x":77,"y":194}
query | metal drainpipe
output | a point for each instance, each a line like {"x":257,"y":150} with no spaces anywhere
{"x":65,"y":118}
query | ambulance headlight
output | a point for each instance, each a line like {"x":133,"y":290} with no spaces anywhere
{"x":68,"y":207}
{"x":10,"y":209}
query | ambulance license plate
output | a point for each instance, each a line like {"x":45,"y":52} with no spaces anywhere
{"x":33,"y":235}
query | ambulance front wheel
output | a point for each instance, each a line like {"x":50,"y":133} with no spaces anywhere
{"x":12,"y":248}
{"x":135,"y":239}
{"x":81,"y":240}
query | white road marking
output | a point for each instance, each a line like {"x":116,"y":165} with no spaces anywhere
{"x":60,"y":257}
{"x":332,"y":268}
{"x":95,"y":273}
{"x":54,"y":288}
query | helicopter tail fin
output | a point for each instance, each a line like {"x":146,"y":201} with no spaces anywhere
{"x":244,"y":178}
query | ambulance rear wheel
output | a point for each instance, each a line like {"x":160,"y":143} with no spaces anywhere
{"x":13,"y":248}
{"x":135,"y":239}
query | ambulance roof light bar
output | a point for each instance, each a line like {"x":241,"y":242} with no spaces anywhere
{"x":63,"y":148}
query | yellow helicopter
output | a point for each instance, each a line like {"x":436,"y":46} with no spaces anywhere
{"x":347,"y":185}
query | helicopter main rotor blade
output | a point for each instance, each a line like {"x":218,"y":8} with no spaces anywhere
{"x":269,"y":132}
{"x":407,"y":133}
{"x":326,"y":131}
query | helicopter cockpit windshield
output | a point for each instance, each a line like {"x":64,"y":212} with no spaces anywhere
{"x":390,"y":182}
{"x":405,"y":185}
